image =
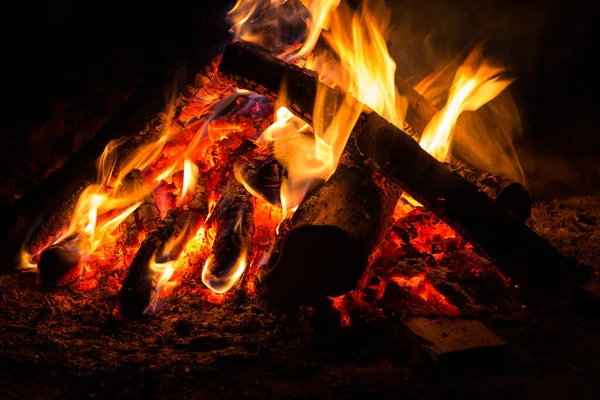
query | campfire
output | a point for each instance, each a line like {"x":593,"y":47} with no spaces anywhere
{"x":300,"y":168}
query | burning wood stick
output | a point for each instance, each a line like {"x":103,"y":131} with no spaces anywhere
{"x":59,"y":264}
{"x":233,"y":217}
{"x":545,"y":275}
{"x":162,"y":245}
{"x":248,"y":74}
{"x":325,"y":246}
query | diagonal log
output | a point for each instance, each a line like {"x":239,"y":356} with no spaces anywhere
{"x":544,"y":274}
{"x":511,"y":195}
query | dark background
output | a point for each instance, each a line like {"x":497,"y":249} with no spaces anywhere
{"x":70,"y":64}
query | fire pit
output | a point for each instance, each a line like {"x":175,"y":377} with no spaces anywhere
{"x":297,"y":190}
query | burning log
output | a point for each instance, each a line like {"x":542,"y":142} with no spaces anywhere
{"x":161,"y":246}
{"x":254,"y":70}
{"x":233,"y":217}
{"x":544,"y":274}
{"x":59,"y":264}
{"x":325,"y":246}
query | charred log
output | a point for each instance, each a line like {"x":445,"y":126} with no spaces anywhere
{"x":253,"y":70}
{"x":325,"y":246}
{"x":544,"y":274}
{"x":59,"y":264}
{"x":162,"y":245}
{"x":234,"y":222}
{"x":508,"y":194}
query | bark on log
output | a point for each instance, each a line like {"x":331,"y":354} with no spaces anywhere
{"x":324,"y":248}
{"x":508,"y":194}
{"x":544,"y":274}
{"x":234,"y":221}
{"x":251,"y":69}
{"x":178,"y":226}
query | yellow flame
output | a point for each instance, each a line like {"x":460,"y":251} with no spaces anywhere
{"x":476,"y":83}
{"x":368,"y":70}
{"x":190,"y":177}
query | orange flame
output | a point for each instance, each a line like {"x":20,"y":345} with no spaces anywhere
{"x":475,"y":84}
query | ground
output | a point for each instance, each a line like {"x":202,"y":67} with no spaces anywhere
{"x":70,"y":344}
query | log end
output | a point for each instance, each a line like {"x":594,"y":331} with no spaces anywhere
{"x":515,"y":199}
{"x":59,"y":265}
{"x":314,"y":262}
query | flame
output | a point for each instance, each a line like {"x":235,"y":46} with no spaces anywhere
{"x":101,"y":200}
{"x":319,"y":11}
{"x":190,"y":177}
{"x":164,"y":286}
{"x":476,"y":83}
{"x":368,"y":70}
{"x":224,"y":283}
{"x":255,"y":21}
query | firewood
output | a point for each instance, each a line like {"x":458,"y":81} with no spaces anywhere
{"x":324,"y":248}
{"x":234,"y":222}
{"x":254,"y":70}
{"x":162,"y":245}
{"x":544,"y":274}
{"x":59,"y":264}
{"x":508,"y":194}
